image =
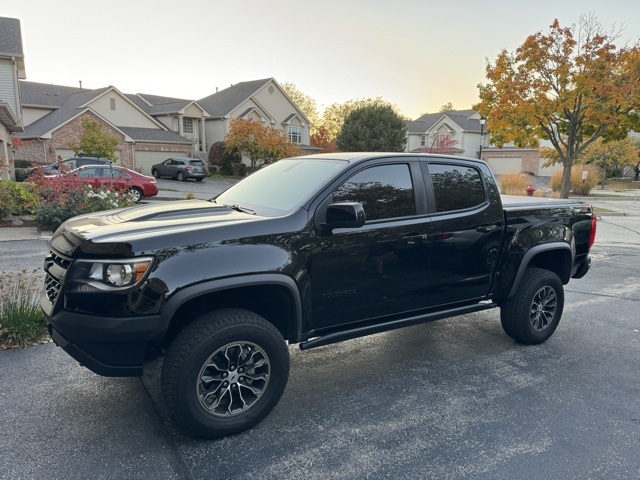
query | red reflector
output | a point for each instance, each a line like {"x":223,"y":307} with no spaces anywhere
{"x":594,"y":224}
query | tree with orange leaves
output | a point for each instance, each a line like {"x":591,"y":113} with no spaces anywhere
{"x":321,"y":138}
{"x":261,"y":144}
{"x":570,"y":86}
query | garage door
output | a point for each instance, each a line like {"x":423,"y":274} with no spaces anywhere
{"x":144,"y":160}
{"x":547,"y":171}
{"x":505,"y":165}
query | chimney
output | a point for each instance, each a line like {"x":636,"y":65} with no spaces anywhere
{"x":80,"y":84}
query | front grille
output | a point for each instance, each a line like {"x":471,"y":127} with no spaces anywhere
{"x":52,"y":288}
{"x":56,"y":259}
{"x":55,"y":266}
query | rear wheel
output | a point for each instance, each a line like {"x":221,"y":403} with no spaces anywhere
{"x":533,"y":313}
{"x":136,"y":194}
{"x":224,"y":373}
{"x":199,"y":179}
{"x":180,"y":176}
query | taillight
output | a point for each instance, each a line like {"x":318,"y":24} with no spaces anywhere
{"x":188,"y":167}
{"x":594,"y":224}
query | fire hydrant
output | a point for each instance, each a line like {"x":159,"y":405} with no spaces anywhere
{"x":530,"y":190}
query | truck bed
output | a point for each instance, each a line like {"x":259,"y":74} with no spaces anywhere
{"x":517,"y":202}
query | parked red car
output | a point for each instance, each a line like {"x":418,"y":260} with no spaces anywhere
{"x":121,"y":178}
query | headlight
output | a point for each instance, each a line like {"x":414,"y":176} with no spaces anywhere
{"x":101,"y":275}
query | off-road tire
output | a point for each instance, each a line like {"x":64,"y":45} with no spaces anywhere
{"x":533,"y":313}
{"x":185,"y":368}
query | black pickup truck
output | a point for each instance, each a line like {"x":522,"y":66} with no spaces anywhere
{"x":310,"y":250}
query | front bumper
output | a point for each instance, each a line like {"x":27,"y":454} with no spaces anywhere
{"x":112,"y":347}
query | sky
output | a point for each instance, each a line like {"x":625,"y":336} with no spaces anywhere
{"x":417,"y":55}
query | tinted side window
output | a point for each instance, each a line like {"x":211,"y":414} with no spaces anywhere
{"x":456,"y":187}
{"x":385,"y":191}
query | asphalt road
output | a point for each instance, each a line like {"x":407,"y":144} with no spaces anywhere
{"x":451,"y":399}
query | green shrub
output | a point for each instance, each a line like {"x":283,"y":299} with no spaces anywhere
{"x":21,"y":319}
{"x":578,"y":186}
{"x":22,"y":163}
{"x":6,"y":199}
{"x":238,"y":169}
{"x":24,"y":197}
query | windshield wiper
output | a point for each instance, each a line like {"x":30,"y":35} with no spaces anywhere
{"x":238,"y":208}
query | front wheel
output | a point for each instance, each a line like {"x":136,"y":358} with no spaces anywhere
{"x":155,"y":173}
{"x":533,"y":313}
{"x":224,"y":373}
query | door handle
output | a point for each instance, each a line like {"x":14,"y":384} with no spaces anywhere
{"x":486,"y":228}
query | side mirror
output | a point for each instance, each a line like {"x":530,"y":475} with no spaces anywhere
{"x":345,"y":215}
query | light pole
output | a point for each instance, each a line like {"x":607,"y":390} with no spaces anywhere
{"x":482,"y":122}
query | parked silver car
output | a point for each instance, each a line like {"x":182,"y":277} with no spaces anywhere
{"x":181,"y":168}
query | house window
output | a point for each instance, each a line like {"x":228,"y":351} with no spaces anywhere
{"x":187,"y":125}
{"x":423,"y":141}
{"x":442,"y":140}
{"x":112,"y":103}
{"x":295,"y":134}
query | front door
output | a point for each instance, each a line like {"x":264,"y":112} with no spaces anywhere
{"x":363,"y":273}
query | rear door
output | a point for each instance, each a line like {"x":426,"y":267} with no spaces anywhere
{"x":175,"y":166}
{"x":463,"y":241}
{"x":92,"y":175}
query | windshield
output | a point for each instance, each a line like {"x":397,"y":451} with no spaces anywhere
{"x":280,"y":188}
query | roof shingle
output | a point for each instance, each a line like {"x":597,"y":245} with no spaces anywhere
{"x":222,"y":103}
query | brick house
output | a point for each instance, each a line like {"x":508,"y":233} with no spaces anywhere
{"x":53,"y":116}
{"x":465,"y":134}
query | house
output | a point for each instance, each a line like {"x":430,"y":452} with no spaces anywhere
{"x":151,"y":128}
{"x":12,"y":69}
{"x":261,"y":100}
{"x":461,"y":132}
{"x":186,"y":117}
{"x":53,"y":116}
{"x":453,"y":133}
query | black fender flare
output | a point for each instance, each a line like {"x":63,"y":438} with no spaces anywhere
{"x":182,"y":296}
{"x":531,"y":253}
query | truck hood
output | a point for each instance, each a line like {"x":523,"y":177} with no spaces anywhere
{"x":129,"y":224}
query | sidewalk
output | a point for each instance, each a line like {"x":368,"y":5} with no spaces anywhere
{"x":13,"y":234}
